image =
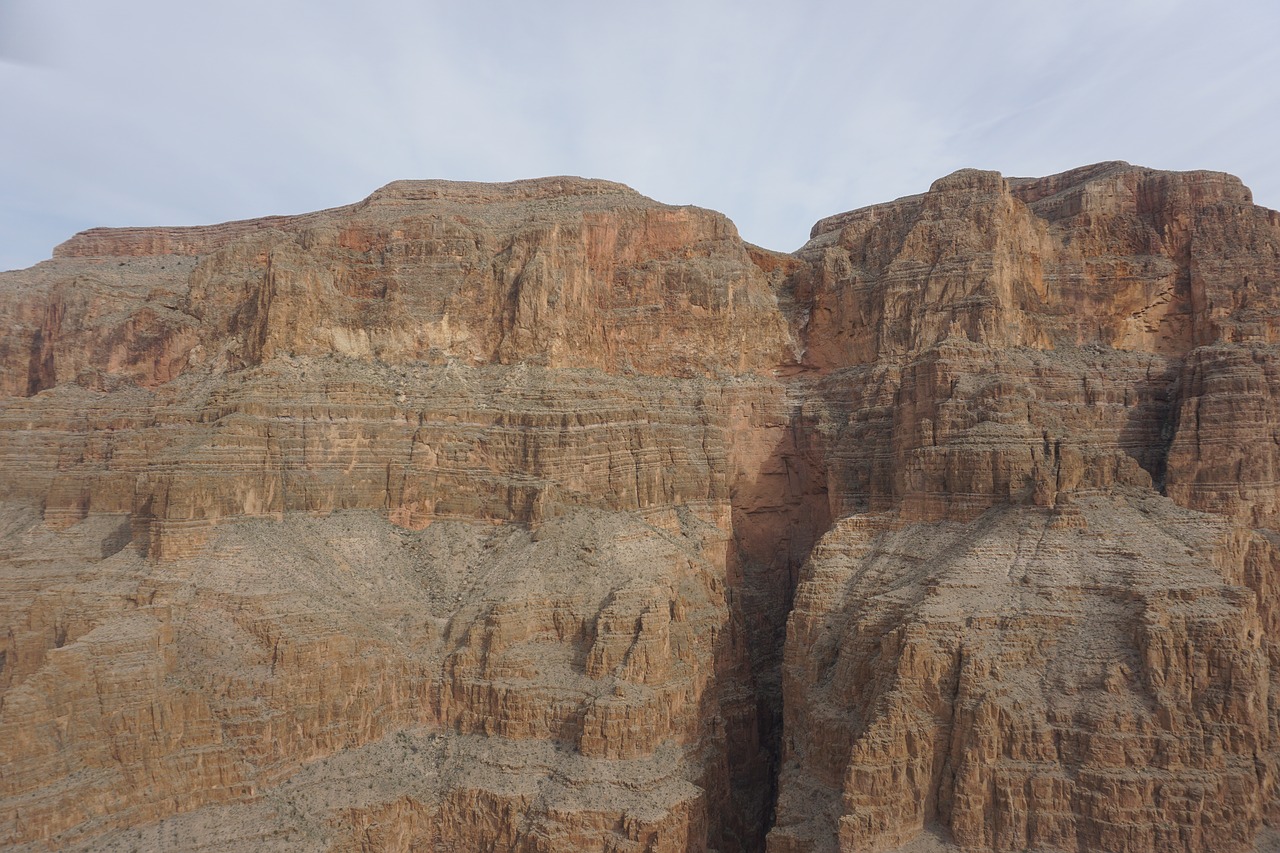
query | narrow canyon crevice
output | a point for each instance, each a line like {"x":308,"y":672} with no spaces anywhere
{"x":778,"y":517}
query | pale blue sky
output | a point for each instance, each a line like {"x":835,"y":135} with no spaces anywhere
{"x":141,"y":112}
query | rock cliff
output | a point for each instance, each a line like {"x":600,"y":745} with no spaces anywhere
{"x":543,"y":516}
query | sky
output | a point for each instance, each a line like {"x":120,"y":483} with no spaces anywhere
{"x":142,"y":112}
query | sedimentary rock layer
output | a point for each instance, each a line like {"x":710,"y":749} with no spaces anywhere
{"x":543,"y":516}
{"x":1038,"y":621}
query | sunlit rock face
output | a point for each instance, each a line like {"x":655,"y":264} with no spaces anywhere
{"x":543,"y":516}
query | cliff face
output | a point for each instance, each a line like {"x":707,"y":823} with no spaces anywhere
{"x":1043,"y":618}
{"x":543,"y":516}
{"x":468,"y":478}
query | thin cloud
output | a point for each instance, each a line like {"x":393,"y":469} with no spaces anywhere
{"x":25,"y":37}
{"x":777,"y":114}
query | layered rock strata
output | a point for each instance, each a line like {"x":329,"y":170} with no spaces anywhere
{"x":476,"y":465}
{"x":543,"y":516}
{"x":1040,"y":621}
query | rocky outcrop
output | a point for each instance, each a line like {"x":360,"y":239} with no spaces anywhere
{"x":543,"y":516}
{"x":557,"y":272}
{"x":1038,"y":622}
{"x":461,"y":463}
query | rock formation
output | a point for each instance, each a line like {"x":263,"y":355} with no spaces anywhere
{"x":543,"y":516}
{"x":1042,"y":617}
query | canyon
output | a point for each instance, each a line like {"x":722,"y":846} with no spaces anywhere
{"x":543,"y":516}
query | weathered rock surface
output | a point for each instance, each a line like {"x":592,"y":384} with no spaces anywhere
{"x":481,"y":464}
{"x":543,"y":516}
{"x":1043,"y":619}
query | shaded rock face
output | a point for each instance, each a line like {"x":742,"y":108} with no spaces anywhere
{"x":543,"y":516}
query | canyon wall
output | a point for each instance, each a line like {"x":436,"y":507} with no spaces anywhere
{"x":543,"y":516}
{"x":1043,"y":617}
